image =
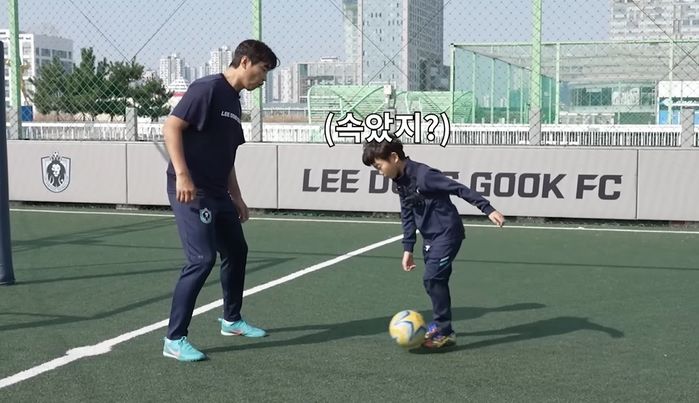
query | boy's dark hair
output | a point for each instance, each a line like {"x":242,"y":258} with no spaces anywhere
{"x":381,"y":150}
{"x":256,"y":51}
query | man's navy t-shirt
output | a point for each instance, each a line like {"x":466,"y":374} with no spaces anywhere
{"x":211,"y":106}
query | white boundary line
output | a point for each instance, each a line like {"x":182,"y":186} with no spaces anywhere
{"x":107,"y":345}
{"x":343,"y":221}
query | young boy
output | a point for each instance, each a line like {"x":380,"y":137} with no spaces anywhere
{"x":202,"y":135}
{"x":425,"y":205}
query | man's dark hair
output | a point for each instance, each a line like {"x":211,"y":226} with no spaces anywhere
{"x":382,"y":150}
{"x":256,"y":51}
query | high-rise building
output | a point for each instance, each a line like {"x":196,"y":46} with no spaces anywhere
{"x":654,"y":19}
{"x":220,"y":59}
{"x":291,"y":84}
{"x":35,"y":51}
{"x":327,"y":71}
{"x":148,"y":74}
{"x":268,"y":88}
{"x":402,"y":43}
{"x":351,"y":30}
{"x":203,"y":70}
{"x":282,"y":85}
{"x":189,"y":73}
{"x":171,"y":68}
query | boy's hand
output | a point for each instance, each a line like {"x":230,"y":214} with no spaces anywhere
{"x":497,"y":218}
{"x":408,"y":262}
{"x":185,"y":189}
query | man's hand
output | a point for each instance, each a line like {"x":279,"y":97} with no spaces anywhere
{"x":408,"y":262}
{"x":497,"y":218}
{"x":184,"y":186}
{"x":243,"y":211}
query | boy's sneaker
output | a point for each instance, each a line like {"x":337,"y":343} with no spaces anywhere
{"x":181,"y":350}
{"x":432,"y":329}
{"x":240,"y":328}
{"x":440,"y":341}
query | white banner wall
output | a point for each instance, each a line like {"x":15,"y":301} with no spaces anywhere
{"x":77,"y":172}
{"x":256,"y":169}
{"x":668,"y":186}
{"x":146,"y":163}
{"x":544,"y":182}
{"x":574,"y":182}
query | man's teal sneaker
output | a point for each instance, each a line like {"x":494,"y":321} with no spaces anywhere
{"x":240,"y":328}
{"x":181,"y":350}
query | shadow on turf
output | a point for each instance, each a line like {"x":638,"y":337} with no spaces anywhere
{"x":535,"y":330}
{"x":363,"y":327}
{"x":572,"y":265}
{"x":254,"y":263}
{"x":48,"y":320}
{"x":501,"y":263}
{"x":88,"y":237}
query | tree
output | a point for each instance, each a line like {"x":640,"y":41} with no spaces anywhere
{"x":103,"y":88}
{"x":49,"y":87}
{"x":84,"y":86}
{"x":122,"y":81}
{"x":151,"y":99}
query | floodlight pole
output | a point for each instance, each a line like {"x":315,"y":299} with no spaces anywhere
{"x":452,"y":77}
{"x":15,"y":60}
{"x":256,"y":95}
{"x":670,"y":68}
{"x":474,"y":60}
{"x":509,"y":92}
{"x":492,"y":86}
{"x":535,"y":78}
{"x":7,"y":276}
{"x":557,"y":118}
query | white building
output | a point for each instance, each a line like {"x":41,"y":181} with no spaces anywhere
{"x":402,"y":43}
{"x":327,"y":71}
{"x":36,"y":50}
{"x":282,"y":85}
{"x":203,"y":71}
{"x":291,"y":84}
{"x":654,"y":19}
{"x":148,"y":74}
{"x":178,"y":87}
{"x":220,"y":59}
{"x":351,"y":30}
{"x":171,"y":68}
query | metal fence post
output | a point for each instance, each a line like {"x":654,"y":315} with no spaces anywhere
{"x":7,"y":275}
{"x":687,"y":121}
{"x":535,"y":79}
{"x":256,"y":95}
{"x":131,"y":129}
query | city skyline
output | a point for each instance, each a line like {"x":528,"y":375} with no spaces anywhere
{"x":307,"y":34}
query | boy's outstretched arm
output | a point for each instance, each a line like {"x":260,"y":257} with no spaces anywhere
{"x":497,"y":218}
{"x":437,"y":181}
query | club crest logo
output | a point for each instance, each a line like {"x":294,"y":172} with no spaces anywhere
{"x":205,"y":215}
{"x":55,"y":171}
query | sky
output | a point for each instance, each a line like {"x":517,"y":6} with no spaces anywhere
{"x":303,"y":30}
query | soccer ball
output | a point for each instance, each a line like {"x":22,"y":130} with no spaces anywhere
{"x":407,"y":328}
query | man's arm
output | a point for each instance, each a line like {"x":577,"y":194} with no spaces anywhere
{"x":234,"y":192}
{"x":172,"y":131}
